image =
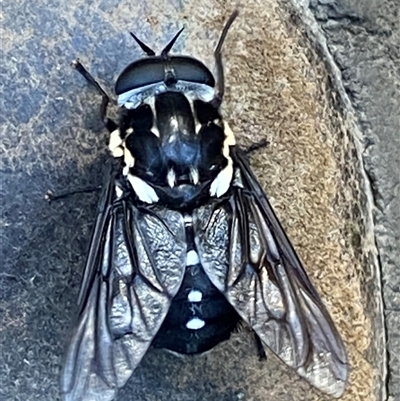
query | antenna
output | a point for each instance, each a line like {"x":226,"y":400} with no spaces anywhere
{"x":167,"y":48}
{"x":143,"y":46}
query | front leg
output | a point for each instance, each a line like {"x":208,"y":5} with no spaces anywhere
{"x":110,"y":124}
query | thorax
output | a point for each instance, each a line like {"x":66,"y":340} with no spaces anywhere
{"x":174,"y":149}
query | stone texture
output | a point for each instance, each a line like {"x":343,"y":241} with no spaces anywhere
{"x":393,"y":324}
{"x":364,"y":37}
{"x":52,"y":138}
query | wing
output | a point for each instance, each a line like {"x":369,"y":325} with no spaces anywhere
{"x":134,"y":268}
{"x":248,"y":257}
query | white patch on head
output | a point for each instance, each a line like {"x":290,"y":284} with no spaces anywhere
{"x":171,"y":178}
{"x":222,"y":181}
{"x":128,"y":158}
{"x":129,"y":105}
{"x":207,"y":96}
{"x":192,"y":258}
{"x":133,"y":98}
{"x":143,"y":190}
{"x":195,"y":296}
{"x":151,"y":101}
{"x":229,"y":137}
{"x":194,"y":175}
{"x":129,"y":131}
{"x":195,"y":323}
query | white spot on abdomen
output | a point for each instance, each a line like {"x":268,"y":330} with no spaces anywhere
{"x":195,"y":323}
{"x":188,"y":220}
{"x":195,"y":296}
{"x":192,"y":258}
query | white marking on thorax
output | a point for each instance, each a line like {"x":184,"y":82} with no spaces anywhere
{"x":195,"y":323}
{"x":194,"y":175}
{"x":118,"y":152}
{"x":197,"y":127}
{"x":155,"y":131}
{"x":143,"y":190}
{"x":172,"y":138}
{"x":192,"y":258}
{"x":222,"y":181}
{"x":115,"y":143}
{"x":128,"y":158}
{"x":174,"y":122}
{"x":171,"y":178}
{"x":115,"y":140}
{"x":229,"y":137}
{"x":195,"y":296}
{"x":118,"y":191}
{"x":218,"y":122}
{"x":125,"y":171}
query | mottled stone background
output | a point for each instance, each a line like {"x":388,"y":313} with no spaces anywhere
{"x":313,"y":171}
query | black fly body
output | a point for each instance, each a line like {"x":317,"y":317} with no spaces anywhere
{"x":186,"y":245}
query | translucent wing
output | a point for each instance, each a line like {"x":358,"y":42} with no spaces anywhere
{"x":248,"y":257}
{"x":134,"y":268}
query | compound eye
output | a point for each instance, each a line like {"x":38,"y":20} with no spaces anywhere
{"x":191,"y":70}
{"x":140,"y":74}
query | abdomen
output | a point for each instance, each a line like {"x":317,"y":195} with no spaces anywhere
{"x":200,"y":317}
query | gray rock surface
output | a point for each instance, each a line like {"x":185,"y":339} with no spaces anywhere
{"x":51,"y":137}
{"x":364,"y":39}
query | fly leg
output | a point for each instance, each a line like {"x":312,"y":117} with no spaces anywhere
{"x":50,"y":196}
{"x":220,"y":80}
{"x":254,"y":147}
{"x":108,"y":122}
